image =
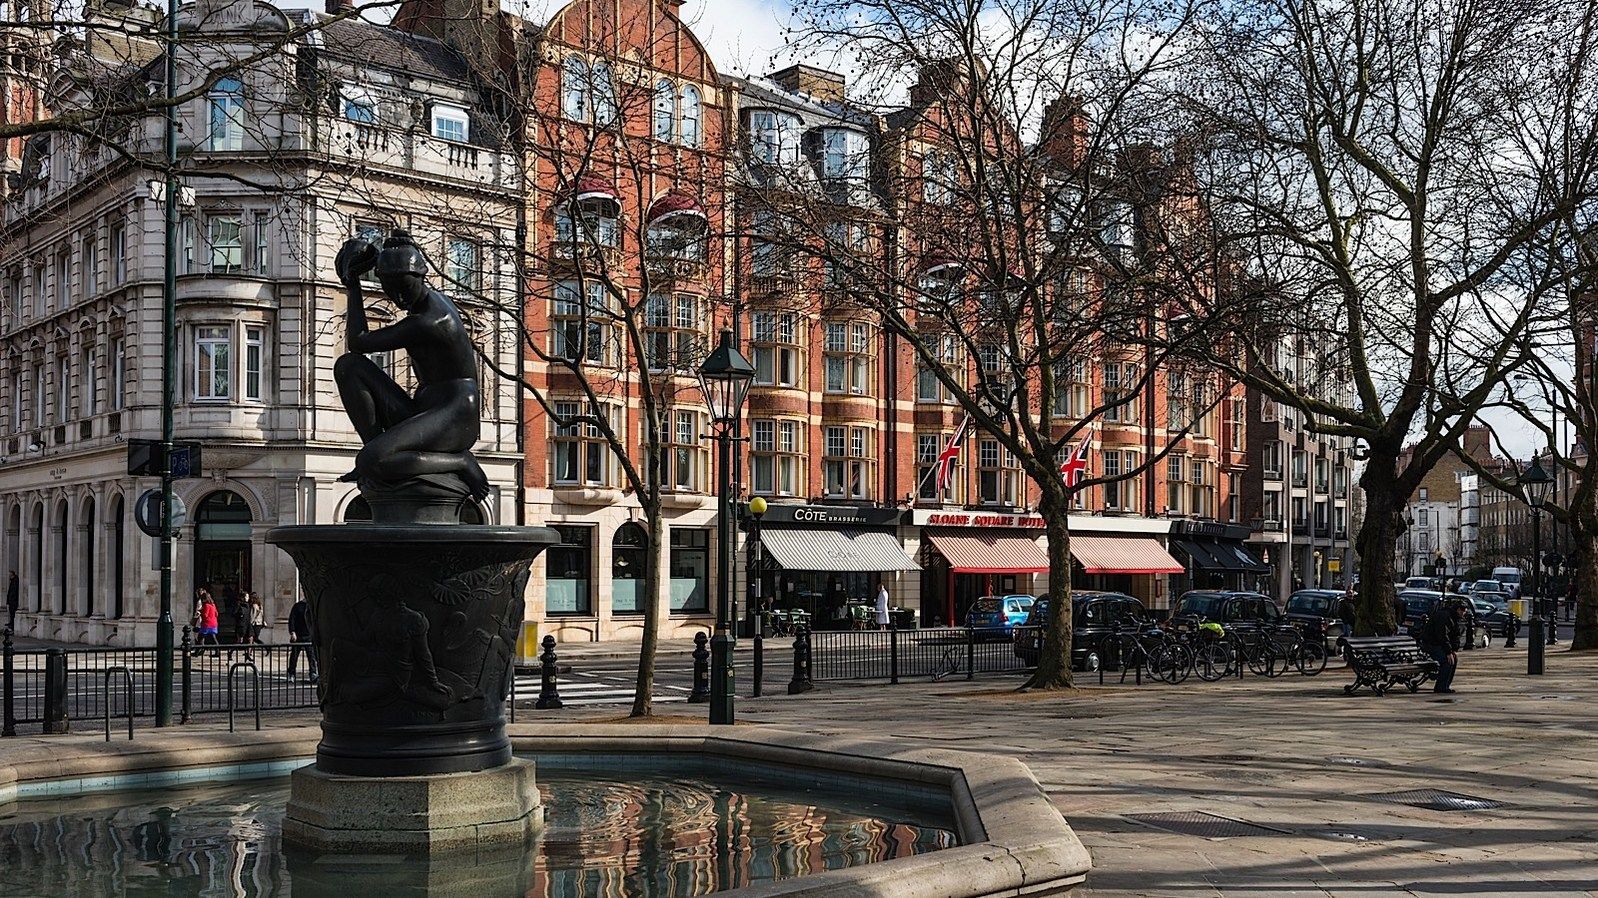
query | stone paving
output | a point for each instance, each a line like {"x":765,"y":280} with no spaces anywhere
{"x":1294,"y":757}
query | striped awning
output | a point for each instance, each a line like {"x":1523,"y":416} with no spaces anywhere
{"x":1123,"y":555}
{"x":991,"y":553}
{"x":836,"y":550}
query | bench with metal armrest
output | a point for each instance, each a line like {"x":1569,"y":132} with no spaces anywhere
{"x":1382,"y":662}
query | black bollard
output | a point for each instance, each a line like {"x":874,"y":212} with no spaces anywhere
{"x":10,"y":686}
{"x":55,"y":691}
{"x":760,"y":662}
{"x":548,"y":692}
{"x":801,"y":663}
{"x":701,"y":690}
{"x":893,"y":653}
{"x":1514,"y":627}
{"x":1553,"y":621}
{"x":188,"y":674}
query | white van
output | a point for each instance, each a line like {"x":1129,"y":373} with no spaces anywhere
{"x":1510,"y":577}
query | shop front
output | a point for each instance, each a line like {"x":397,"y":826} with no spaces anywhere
{"x":1214,"y":557}
{"x":967,"y":555}
{"x":827,"y":562}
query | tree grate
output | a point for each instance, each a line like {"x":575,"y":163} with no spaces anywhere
{"x":1199,"y":823}
{"x":1438,"y":800}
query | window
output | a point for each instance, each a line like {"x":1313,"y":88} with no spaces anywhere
{"x":1322,"y":478}
{"x":261,"y":229}
{"x":39,"y":391}
{"x":40,"y":297}
{"x":1176,"y":412}
{"x":775,"y":457}
{"x":687,"y":456}
{"x":581,"y":329}
{"x":845,"y":156}
{"x":360,"y":106}
{"x":1071,"y":389}
{"x":588,"y":94}
{"x":580,"y":451}
{"x":1271,"y":509}
{"x":212,"y":362}
{"x":845,"y":461}
{"x":679,"y":237}
{"x":223,"y":235}
{"x":118,"y":371}
{"x":187,"y":237}
{"x":1116,"y":224}
{"x":461,"y":264}
{"x":672,"y":335}
{"x":451,"y":123}
{"x":690,"y":571}
{"x":629,"y":550}
{"x":929,"y":449}
{"x":847,"y":359}
{"x":89,"y":265}
{"x":254,"y":362}
{"x":63,"y":389}
{"x":1234,"y":422}
{"x":1423,"y":517}
{"x":19,"y":395}
{"x":1300,"y":521}
{"x":664,"y":111}
{"x":1120,"y":392}
{"x":939,"y":178}
{"x":568,"y":566}
{"x":1340,"y":481}
{"x":1175,"y":477}
{"x":225,"y":125}
{"x":1203,"y":498}
{"x":1340,"y":521}
{"x":1321,"y":517}
{"x":91,"y":383}
{"x":997,"y":474}
{"x":63,"y":280}
{"x":1234,"y":497}
{"x":372,"y":233}
{"x":692,"y":116}
{"x":1300,"y":468}
{"x":774,"y":138}
{"x":1201,"y":407}
{"x":1272,"y":461}
{"x":590,"y":224}
{"x":1117,"y":494}
{"x":929,"y":388}
{"x":775,"y":341}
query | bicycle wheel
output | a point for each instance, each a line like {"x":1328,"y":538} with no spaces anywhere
{"x":1172,"y":662}
{"x":1312,"y":658}
{"x":948,"y":664}
{"x":1278,"y":657}
{"x":1258,"y":656}
{"x":1212,"y":661}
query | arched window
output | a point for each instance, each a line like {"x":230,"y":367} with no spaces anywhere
{"x":665,"y":111}
{"x":63,"y":566}
{"x":629,"y":556}
{"x":574,"y":88}
{"x":606,"y":109}
{"x":691,"y":116}
{"x":86,"y":553}
{"x":118,"y":541}
{"x":357,"y":510}
{"x":225,"y":124}
{"x":38,"y":556}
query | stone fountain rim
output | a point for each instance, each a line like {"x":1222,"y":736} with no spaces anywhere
{"x":1014,"y":841}
{"x":442,"y":534}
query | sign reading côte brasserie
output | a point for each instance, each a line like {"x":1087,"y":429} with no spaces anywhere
{"x":974,"y":519}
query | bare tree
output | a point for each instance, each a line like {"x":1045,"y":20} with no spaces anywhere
{"x":1393,"y":177}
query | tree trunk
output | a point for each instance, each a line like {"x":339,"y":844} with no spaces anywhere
{"x":1376,"y":542}
{"x":1584,"y":568}
{"x":643,"y":696}
{"x":1054,"y":649}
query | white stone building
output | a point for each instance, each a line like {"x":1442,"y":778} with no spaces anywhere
{"x":352,"y":128}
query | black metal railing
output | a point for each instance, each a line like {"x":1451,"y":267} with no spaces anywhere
{"x":911,"y":654}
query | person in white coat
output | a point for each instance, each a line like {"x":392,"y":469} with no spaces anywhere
{"x":882,"y":605}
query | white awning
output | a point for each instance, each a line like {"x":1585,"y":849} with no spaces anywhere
{"x":836,"y":550}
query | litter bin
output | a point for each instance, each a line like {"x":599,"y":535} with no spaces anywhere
{"x":527,"y":648}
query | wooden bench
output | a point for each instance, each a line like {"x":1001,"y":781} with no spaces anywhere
{"x":1382,"y":662}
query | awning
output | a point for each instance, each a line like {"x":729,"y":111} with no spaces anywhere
{"x":593,"y":189}
{"x":1196,"y":552}
{"x":1219,"y":555}
{"x":675,"y":204}
{"x":989,"y":553}
{"x":1123,"y":555}
{"x":939,"y":266}
{"x":836,"y":550}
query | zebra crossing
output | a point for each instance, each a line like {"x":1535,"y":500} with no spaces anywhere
{"x":580,"y":688}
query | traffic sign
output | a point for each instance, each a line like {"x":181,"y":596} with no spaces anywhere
{"x":147,"y":512}
{"x":145,"y":459}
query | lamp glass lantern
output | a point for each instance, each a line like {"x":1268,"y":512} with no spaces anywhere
{"x":1537,"y":483}
{"x":724,"y":378}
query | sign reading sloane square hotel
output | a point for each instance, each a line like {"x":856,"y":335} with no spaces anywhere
{"x":974,"y":519}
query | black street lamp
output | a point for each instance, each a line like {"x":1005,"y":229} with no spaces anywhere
{"x":724,"y":378}
{"x":1536,"y":484}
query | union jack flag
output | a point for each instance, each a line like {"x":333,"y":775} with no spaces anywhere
{"x":942,"y":471}
{"x":1075,"y":467}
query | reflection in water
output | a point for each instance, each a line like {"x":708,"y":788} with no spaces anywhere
{"x":662,"y":835}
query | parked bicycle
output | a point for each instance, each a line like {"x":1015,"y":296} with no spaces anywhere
{"x":1142,"y":647}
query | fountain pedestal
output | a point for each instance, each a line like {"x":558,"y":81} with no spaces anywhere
{"x":415,"y":628}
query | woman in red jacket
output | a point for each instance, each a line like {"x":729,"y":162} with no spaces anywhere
{"x":208,"y":625}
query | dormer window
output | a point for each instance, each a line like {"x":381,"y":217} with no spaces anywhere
{"x":939,"y":178}
{"x":225,"y":115}
{"x":845,"y":155}
{"x":774,"y":137}
{"x":451,"y":123}
{"x":360,"y":106}
{"x":588,"y":93}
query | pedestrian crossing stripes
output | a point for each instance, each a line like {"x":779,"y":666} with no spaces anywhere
{"x":579,"y":690}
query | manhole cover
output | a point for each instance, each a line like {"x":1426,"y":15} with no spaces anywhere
{"x":1198,"y":823}
{"x":1351,"y":761}
{"x":1342,"y":835}
{"x":1438,"y":800}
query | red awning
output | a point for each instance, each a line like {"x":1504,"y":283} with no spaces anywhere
{"x":592,"y":188}
{"x":675,"y":204}
{"x":991,"y":553}
{"x":938,"y":265}
{"x":1123,"y":555}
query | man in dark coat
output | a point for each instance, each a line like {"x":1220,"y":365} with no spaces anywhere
{"x":1440,"y":639}
{"x":300,"y":638}
{"x":13,"y":596}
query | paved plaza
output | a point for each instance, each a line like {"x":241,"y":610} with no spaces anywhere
{"x":1290,"y":769}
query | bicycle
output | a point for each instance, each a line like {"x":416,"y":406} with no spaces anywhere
{"x":952,"y":662}
{"x":1166,"y":658}
{"x":1308,"y":655}
{"x":1213,"y":654}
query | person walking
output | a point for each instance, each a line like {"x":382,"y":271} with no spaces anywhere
{"x":1440,"y":640}
{"x":208,"y":621}
{"x":257,"y":616}
{"x":13,"y":596}
{"x":300,"y":639}
{"x":882,"y":605}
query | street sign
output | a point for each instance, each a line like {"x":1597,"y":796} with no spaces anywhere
{"x":147,"y":512}
{"x":1334,"y":565}
{"x":144,"y":459}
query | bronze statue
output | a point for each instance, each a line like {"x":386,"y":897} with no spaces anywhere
{"x":408,"y":438}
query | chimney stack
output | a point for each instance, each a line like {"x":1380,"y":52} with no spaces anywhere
{"x":334,"y":7}
{"x":807,"y":79}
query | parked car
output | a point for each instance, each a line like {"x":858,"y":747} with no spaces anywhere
{"x":1315,"y":611}
{"x":1494,"y":614}
{"x":996,"y":617}
{"x":1093,"y":614}
{"x":1227,"y":608}
{"x":1492,"y":589}
{"x":1432,"y":583}
{"x":1511,"y":578}
{"x":1419,"y":604}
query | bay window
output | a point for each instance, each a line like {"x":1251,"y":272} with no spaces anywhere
{"x":940,"y":179}
{"x":579,"y":449}
{"x":776,"y":458}
{"x":1071,"y":390}
{"x":929,"y":450}
{"x":581,"y":322}
{"x":775,"y":342}
{"x":687,"y":462}
{"x":847,"y":359}
{"x":774,"y":138}
{"x":224,"y":236}
{"x":997,"y":474}
{"x":672,"y":334}
{"x":589,"y":224}
{"x":845,"y":461}
{"x":225,"y":119}
{"x":213,"y":352}
{"x":1120,"y":392}
{"x":254,"y":362}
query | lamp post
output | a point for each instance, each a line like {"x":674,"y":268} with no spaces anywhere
{"x":754,"y":620}
{"x":724,"y":378}
{"x":1536,"y":484}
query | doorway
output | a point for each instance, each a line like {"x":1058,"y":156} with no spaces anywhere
{"x":222,"y":527}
